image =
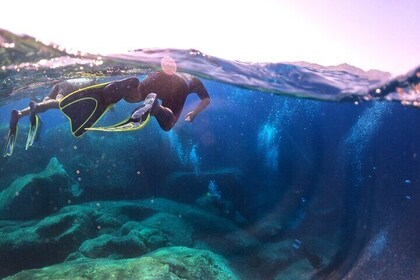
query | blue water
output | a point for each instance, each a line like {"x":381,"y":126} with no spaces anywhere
{"x":283,"y":152}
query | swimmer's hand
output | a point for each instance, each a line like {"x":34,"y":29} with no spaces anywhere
{"x":190,"y":116}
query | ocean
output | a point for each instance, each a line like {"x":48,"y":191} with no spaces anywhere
{"x":294,"y":171}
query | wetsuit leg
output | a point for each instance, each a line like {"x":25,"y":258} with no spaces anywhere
{"x":117,"y":90}
{"x":165,"y":117}
{"x":44,"y":105}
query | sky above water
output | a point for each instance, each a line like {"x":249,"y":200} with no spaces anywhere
{"x":384,"y":35}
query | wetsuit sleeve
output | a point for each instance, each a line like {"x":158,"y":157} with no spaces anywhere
{"x":198,"y":87}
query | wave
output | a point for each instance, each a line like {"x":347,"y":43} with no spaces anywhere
{"x":299,"y":79}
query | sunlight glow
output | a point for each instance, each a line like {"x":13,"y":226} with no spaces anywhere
{"x":323,"y":32}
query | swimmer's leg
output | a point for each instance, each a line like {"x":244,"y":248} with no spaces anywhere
{"x":137,"y":120}
{"x":15,"y":116}
{"x":165,"y":117}
{"x":35,"y":120}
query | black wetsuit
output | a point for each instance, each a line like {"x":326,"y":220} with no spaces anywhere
{"x":172,"y":90}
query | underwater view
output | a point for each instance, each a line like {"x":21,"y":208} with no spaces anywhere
{"x":175,"y":164}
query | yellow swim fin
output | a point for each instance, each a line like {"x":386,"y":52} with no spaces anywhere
{"x":84,"y":107}
{"x":124,"y":126}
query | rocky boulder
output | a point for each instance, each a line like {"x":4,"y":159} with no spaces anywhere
{"x":188,"y":186}
{"x":167,"y":263}
{"x":36,"y":195}
{"x":273,"y":257}
{"x":114,"y":247}
{"x":116,"y":230}
{"x":48,"y":241}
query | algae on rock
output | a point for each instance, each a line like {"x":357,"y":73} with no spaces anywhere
{"x":167,"y":263}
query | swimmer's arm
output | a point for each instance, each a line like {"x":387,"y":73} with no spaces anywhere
{"x":198,"y":87}
{"x":201,"y":106}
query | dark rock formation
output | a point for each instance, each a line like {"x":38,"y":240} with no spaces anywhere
{"x":116,"y":230}
{"x":35,"y":195}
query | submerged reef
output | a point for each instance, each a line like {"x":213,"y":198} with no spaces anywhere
{"x":115,"y":230}
{"x":167,"y":263}
{"x":158,"y":236}
{"x":38,"y":194}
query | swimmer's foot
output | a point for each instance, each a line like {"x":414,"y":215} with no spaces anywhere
{"x":35,"y":122}
{"x":148,"y":107}
{"x":11,"y":136}
{"x":138,"y":119}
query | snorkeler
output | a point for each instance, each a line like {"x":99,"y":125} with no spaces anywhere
{"x":84,"y":107}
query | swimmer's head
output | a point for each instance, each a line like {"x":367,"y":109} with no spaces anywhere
{"x":168,"y":65}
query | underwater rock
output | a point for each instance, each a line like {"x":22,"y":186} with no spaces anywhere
{"x":177,"y":230}
{"x":107,"y":221}
{"x":274,"y":257}
{"x":114,"y":247}
{"x":35,"y":195}
{"x":134,"y":239}
{"x":299,"y":270}
{"x":167,"y":263}
{"x":161,"y":222}
{"x":322,"y":247}
{"x":188,"y":186}
{"x":226,"y":237}
{"x":46,"y":242}
{"x":114,"y":230}
{"x":220,"y":207}
{"x":268,"y":229}
{"x":152,"y":238}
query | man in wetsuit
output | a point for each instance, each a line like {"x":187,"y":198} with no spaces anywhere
{"x":171,"y":89}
